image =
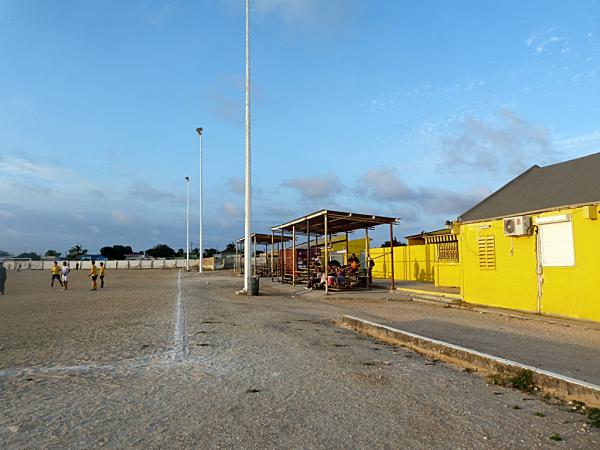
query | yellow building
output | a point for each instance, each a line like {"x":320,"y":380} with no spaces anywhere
{"x":534,"y":244}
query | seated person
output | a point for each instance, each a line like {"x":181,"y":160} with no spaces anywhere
{"x":313,"y":282}
{"x":341,"y":278}
{"x":354,"y":263}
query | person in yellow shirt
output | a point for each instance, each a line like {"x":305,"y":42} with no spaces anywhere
{"x":101,"y":272}
{"x":94,"y":274}
{"x":55,"y":274}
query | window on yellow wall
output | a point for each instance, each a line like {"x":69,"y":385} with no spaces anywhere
{"x":487,"y":252}
{"x":557,"y":244}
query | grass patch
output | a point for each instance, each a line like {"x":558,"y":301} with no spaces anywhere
{"x":521,"y":380}
{"x":517,"y":407}
{"x":539,"y":414}
{"x":593,"y":415}
{"x":555,"y":437}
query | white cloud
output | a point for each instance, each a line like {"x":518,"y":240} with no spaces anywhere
{"x":120,"y":217}
{"x":316,"y":187}
{"x":231,"y":210}
{"x":94,"y":228}
{"x":6,"y":214}
{"x":236,"y":184}
{"x":507,"y":143}
{"x":13,"y":165}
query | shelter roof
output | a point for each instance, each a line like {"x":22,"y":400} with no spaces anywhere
{"x":337,"y":222}
{"x":568,"y":183}
{"x":423,"y":234}
{"x":263,"y":238}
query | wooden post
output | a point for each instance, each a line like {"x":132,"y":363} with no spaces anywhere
{"x":308,"y":257}
{"x":235,"y":265}
{"x":272,"y":250}
{"x":367,"y":254}
{"x":282,"y":265}
{"x":254,"y":253}
{"x":346,"y":248}
{"x":294,"y":262}
{"x":325,"y":263}
{"x":392,"y":254}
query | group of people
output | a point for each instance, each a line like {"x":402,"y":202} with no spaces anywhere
{"x":337,"y":275}
{"x":61,"y":274}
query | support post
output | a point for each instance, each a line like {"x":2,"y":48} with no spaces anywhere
{"x":236,"y":269}
{"x":326,"y":262}
{"x":254,"y":254}
{"x":272,"y":250}
{"x":282,"y":265}
{"x":294,"y":262}
{"x":308,"y":257}
{"x":392,"y":254}
{"x":346,"y":248}
{"x":367,"y":259}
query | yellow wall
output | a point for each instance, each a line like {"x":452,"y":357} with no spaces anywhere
{"x":569,"y":291}
{"x":447,"y":274}
{"x":411,"y":263}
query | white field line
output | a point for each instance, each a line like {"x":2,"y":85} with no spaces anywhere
{"x":180,"y":332}
{"x":177,"y":355}
{"x":483,"y":355}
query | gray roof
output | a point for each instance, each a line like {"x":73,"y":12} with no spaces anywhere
{"x":575,"y":182}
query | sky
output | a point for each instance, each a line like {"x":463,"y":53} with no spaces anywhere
{"x":415,"y":110}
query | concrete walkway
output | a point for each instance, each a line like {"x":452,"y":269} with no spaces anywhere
{"x":566,"y":346}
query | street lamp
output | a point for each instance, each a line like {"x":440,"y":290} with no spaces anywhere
{"x":247,"y":223}
{"x":200,"y":234}
{"x":187,"y":225}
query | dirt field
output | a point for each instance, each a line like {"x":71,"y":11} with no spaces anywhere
{"x":166,"y":360}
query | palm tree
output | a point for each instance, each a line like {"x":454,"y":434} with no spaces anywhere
{"x":76,"y":252}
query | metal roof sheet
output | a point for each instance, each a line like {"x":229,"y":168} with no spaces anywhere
{"x":569,"y":183}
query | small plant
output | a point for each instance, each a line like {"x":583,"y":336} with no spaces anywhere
{"x":556,"y":437}
{"x":593,"y":414}
{"x":516,"y":407}
{"x":523,"y":380}
{"x":539,"y":414}
{"x":496,"y":379}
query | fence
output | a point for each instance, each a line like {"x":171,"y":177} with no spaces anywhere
{"x":209,"y":264}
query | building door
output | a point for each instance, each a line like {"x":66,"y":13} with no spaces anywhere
{"x":555,"y":249}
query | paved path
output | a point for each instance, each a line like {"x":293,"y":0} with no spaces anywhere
{"x":566,"y":346}
{"x":189,"y":364}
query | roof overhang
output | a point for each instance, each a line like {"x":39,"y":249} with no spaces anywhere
{"x":337,"y":222}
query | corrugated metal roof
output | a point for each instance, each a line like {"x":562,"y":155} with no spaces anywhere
{"x":574,"y":182}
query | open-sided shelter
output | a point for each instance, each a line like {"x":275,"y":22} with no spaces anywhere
{"x":325,"y":224}
{"x":268,"y":266}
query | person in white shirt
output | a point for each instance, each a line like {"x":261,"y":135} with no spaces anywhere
{"x":64,"y":273}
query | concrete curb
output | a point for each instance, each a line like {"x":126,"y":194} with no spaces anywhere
{"x":549,"y":382}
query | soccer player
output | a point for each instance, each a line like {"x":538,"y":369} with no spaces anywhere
{"x":94,"y":274}
{"x":101,"y":273}
{"x":64,"y":274}
{"x":2,"y":277}
{"x":55,"y":275}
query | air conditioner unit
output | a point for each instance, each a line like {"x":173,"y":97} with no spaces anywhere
{"x":517,"y":226}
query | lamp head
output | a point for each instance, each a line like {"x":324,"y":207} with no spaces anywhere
{"x":199,"y":131}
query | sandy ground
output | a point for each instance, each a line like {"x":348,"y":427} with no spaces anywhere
{"x":156,"y":362}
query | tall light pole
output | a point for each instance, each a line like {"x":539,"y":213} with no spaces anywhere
{"x":200,"y":233}
{"x":247,"y":221}
{"x":187,"y":225}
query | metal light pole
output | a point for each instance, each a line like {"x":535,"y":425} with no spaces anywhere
{"x":200,"y":235}
{"x":247,"y":221}
{"x":187,"y":225}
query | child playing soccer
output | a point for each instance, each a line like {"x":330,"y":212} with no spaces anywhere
{"x":55,"y":274}
{"x":94,"y":274}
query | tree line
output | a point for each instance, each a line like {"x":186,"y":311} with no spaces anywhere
{"x":119,"y":252}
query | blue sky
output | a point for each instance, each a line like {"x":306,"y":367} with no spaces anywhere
{"x":410,"y":109}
